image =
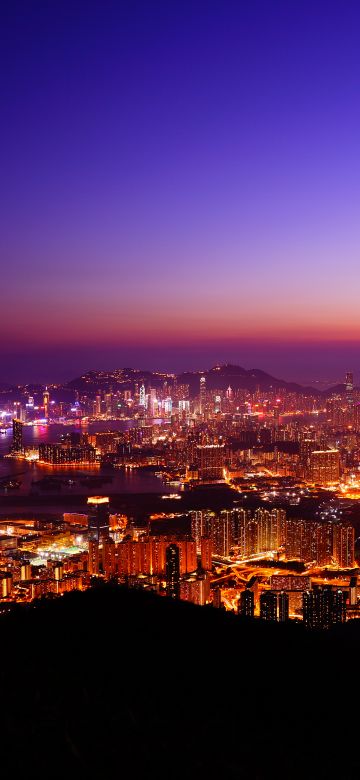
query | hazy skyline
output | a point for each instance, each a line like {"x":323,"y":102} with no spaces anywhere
{"x":180,"y":185}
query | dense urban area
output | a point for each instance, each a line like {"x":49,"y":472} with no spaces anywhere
{"x":256,"y":509}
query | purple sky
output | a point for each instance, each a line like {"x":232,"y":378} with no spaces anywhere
{"x":180,"y":184}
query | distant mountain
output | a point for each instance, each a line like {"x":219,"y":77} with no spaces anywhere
{"x":239,"y":378}
{"x":217,"y":378}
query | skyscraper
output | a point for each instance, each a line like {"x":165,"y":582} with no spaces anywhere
{"x":46,"y":402}
{"x":173,"y":571}
{"x":221,"y":534}
{"x":246,"y":603}
{"x":268,"y":606}
{"x":98,"y":522}
{"x":142,"y":396}
{"x":98,"y":404}
{"x":94,"y":557}
{"x":283,"y":602}
{"x":17,"y":442}
{"x":202,"y":404}
{"x":344,"y":545}
{"x":210,"y":461}
{"x":108,"y":557}
{"x":349,"y":389}
{"x":325,"y":466}
{"x":323,"y":608}
{"x":206,"y":553}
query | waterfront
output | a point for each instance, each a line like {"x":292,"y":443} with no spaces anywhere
{"x":74,"y":481}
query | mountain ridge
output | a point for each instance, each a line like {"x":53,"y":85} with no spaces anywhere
{"x":218,"y":377}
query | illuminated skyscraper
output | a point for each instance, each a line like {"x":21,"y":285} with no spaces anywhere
{"x":323,"y":608}
{"x":153,"y":403}
{"x":109,"y":404}
{"x":246,"y":603}
{"x":210,"y":461}
{"x":216,"y":598}
{"x":98,"y":522}
{"x":268,"y":529}
{"x":202,"y":404}
{"x":353,"y":591}
{"x":108,"y":557}
{"x":173,"y":571}
{"x":142,"y":396}
{"x":6,"y":582}
{"x":17,"y":442}
{"x":200,"y":526}
{"x":344,"y":545}
{"x":25,"y":571}
{"x":268,"y":606}
{"x":349,"y":389}
{"x":46,"y":402}
{"x":283,"y":604}
{"x":94,"y":557}
{"x":196,"y":589}
{"x":206,"y":553}
{"x":62,"y":453}
{"x":221,"y":534}
{"x":98,"y":405}
{"x":325,"y":466}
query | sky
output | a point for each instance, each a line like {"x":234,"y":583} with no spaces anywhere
{"x":180,"y":185}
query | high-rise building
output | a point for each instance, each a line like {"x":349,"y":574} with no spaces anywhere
{"x":46,"y":403}
{"x":142,"y":396}
{"x":251,"y":538}
{"x":17,"y":443}
{"x":98,"y":405}
{"x":268,"y":529}
{"x":200,"y":526}
{"x":323,"y":608}
{"x":292,"y":539}
{"x":196,"y":589}
{"x":353,"y":591}
{"x":202,"y":404}
{"x":173,"y":571}
{"x":58,"y":570}
{"x":25,"y":571}
{"x":230,"y":394}
{"x":216,"y":598}
{"x":109,"y":404}
{"x":206,"y":553}
{"x":66,"y":453}
{"x":325,"y":544}
{"x":109,"y":557}
{"x":210,"y":461}
{"x":268,"y":606}
{"x":221,"y":534}
{"x":324,"y":467}
{"x":344,"y":545}
{"x":6,"y":582}
{"x":98,"y":521}
{"x":283,"y":606}
{"x":246,"y":603}
{"x":153,"y":402}
{"x":94,"y":557}
{"x":349,"y":389}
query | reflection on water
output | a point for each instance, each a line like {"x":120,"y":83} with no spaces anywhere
{"x":114,"y":480}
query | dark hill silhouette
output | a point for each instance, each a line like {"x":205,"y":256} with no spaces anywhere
{"x":218,"y":377}
{"x":125,"y":684}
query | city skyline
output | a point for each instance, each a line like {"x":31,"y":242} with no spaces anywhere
{"x":181,"y":184}
{"x":180,"y":388}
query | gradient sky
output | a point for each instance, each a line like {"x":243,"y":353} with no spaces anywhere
{"x":180,"y":184}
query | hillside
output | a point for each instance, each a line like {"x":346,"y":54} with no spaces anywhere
{"x":217,"y":378}
{"x":109,"y":679}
